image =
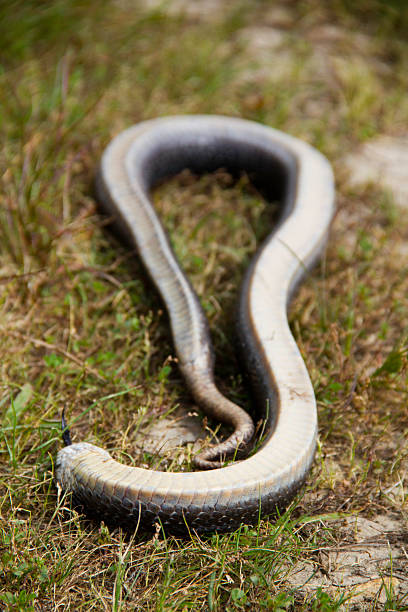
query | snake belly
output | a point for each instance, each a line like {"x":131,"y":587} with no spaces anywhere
{"x":300,"y":178}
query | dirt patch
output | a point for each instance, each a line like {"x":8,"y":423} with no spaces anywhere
{"x":382,"y":161}
{"x":369,"y":560}
{"x":202,"y":10}
{"x":168,"y":433}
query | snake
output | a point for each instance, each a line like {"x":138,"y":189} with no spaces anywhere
{"x":286,"y":170}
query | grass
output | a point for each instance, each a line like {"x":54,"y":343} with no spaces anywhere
{"x":81,"y":328}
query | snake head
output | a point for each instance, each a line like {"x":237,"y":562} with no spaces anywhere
{"x":68,"y":458}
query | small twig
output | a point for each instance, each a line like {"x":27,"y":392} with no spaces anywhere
{"x":349,"y":398}
{"x":10,"y":277}
{"x":60,"y":350}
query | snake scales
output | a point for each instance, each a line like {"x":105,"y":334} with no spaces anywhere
{"x":288,"y":170}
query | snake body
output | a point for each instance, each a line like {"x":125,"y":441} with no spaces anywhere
{"x":297,"y":175}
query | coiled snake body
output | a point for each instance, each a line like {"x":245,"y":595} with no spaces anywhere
{"x":288,"y":170}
